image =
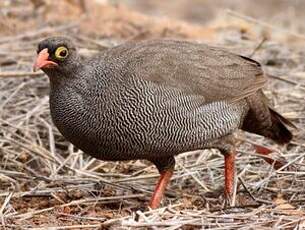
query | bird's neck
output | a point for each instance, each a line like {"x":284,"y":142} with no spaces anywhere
{"x":61,"y":77}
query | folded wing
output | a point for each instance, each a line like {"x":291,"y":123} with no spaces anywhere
{"x":211,"y":72}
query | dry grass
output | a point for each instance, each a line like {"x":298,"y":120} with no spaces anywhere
{"x":44,"y":181}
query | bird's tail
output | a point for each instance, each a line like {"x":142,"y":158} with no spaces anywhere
{"x":263,"y":120}
{"x":278,"y":130}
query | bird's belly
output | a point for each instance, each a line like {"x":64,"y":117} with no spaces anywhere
{"x":120,"y":136}
{"x":107,"y":136}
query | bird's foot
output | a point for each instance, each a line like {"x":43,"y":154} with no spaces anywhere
{"x":228,"y":200}
{"x":273,"y":158}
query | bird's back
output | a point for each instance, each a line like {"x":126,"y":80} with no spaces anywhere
{"x":198,"y":69}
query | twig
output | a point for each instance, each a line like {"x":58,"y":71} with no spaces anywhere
{"x":264,"y":24}
{"x":40,"y":32}
{"x":89,"y":226}
{"x":258,"y":46}
{"x":251,"y":195}
{"x":20,"y":74}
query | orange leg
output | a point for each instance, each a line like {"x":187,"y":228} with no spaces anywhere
{"x":160,"y":189}
{"x":265,"y":151}
{"x":262,"y":150}
{"x":229,"y":174}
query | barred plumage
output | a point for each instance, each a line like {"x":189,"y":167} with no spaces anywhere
{"x":155,"y":99}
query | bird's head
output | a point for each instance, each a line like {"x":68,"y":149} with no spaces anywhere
{"x":56,"y":54}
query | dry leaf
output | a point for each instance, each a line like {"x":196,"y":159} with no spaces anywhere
{"x":285,"y":207}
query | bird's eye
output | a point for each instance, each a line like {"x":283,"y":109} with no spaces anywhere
{"x":61,"y":53}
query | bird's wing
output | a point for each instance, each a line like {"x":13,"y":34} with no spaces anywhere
{"x":211,"y":72}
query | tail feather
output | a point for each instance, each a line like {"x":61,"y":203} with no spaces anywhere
{"x":278,"y":130}
{"x":282,"y":119}
{"x":263,"y":120}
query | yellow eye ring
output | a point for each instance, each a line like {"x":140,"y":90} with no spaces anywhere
{"x":61,"y":53}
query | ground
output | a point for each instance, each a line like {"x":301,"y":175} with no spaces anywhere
{"x":45,"y":182}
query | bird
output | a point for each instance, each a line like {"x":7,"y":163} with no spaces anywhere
{"x":155,"y":99}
